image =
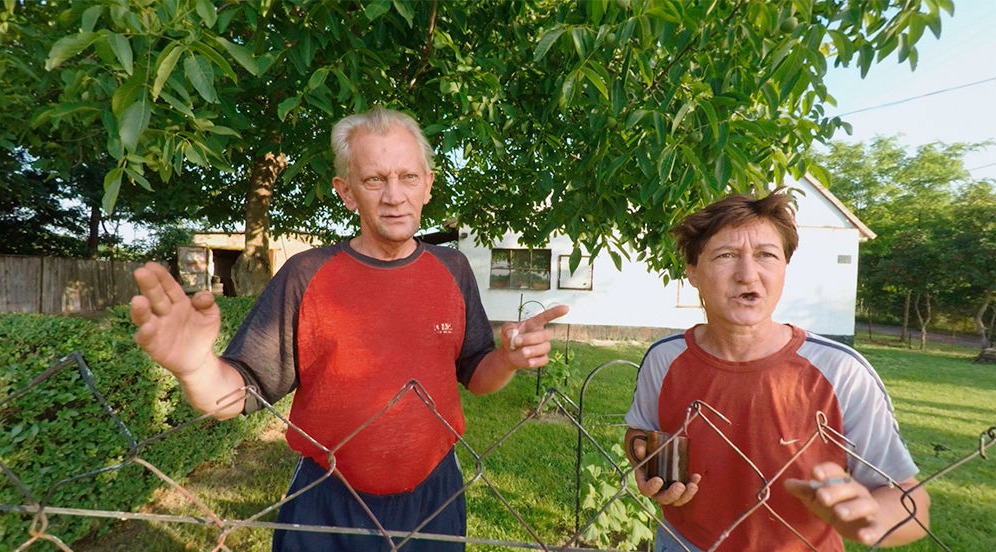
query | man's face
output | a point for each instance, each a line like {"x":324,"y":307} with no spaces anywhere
{"x":387,"y":184}
{"x":740,"y":274}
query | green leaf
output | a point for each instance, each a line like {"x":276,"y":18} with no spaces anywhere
{"x":112,"y":186}
{"x":616,"y":258}
{"x":133,"y":123}
{"x":405,"y":10}
{"x":198,"y":72}
{"x":207,"y":11}
{"x":222,"y":130}
{"x":126,"y":94}
{"x":547,"y":39}
{"x":176,"y":104}
{"x":164,"y":66}
{"x":59,"y":111}
{"x":68,"y":47}
{"x":376,"y":8}
{"x":596,"y":79}
{"x":567,"y":90}
{"x":114,"y":147}
{"x":214,"y":58}
{"x":581,"y":39}
{"x":685,"y":110}
{"x":122,"y":50}
{"x":287,"y":106}
{"x":317,"y":78}
{"x":243,"y":56}
{"x":88,"y":21}
{"x":139,"y":178}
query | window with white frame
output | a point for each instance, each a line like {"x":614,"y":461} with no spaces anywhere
{"x":520,"y":269}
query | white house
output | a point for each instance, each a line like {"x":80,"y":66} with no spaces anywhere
{"x":819,"y":295}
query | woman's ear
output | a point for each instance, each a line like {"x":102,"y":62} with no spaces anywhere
{"x":690,"y":275}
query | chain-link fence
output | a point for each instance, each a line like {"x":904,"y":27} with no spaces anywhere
{"x":38,"y":505}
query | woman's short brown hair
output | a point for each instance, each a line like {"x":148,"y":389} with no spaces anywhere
{"x":694,"y":230}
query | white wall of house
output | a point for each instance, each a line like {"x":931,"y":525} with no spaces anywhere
{"x":819,"y":295}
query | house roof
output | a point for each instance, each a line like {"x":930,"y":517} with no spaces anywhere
{"x":866,"y":233}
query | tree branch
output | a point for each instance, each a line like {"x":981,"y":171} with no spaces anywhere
{"x":427,"y":48}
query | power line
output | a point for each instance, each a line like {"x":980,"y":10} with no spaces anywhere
{"x":982,"y":167}
{"x":921,"y":96}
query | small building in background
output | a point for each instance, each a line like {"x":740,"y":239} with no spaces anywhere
{"x":608,"y":303}
{"x":211,"y":255}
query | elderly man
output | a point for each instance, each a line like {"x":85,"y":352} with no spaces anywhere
{"x":345,"y":327}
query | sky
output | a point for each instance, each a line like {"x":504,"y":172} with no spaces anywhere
{"x":950,"y":97}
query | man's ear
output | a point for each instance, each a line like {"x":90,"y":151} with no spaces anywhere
{"x":344,"y":192}
{"x":428,"y":188}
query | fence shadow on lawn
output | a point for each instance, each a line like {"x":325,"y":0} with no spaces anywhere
{"x":38,"y":510}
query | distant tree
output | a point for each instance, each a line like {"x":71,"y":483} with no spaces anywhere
{"x":935,"y":226}
{"x":604,"y":120}
{"x":36,"y":217}
{"x":968,"y":251}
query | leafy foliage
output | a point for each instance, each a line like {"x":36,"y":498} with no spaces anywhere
{"x":934,"y":226}
{"x":605,"y":120}
{"x":34,"y":218}
{"x":624,"y":524}
{"x":555,"y":375}
{"x":58,"y":430}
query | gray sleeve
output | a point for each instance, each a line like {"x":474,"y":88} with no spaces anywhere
{"x":870,"y":424}
{"x":264,"y":350}
{"x":479,"y":338}
{"x":643,"y":412}
{"x":870,"y":427}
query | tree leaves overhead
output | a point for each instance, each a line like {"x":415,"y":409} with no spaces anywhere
{"x":606,"y":120}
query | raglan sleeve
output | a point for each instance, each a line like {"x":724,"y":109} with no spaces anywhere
{"x":871,"y":427}
{"x":643,"y":411}
{"x":264,"y":348}
{"x":478,"y":339}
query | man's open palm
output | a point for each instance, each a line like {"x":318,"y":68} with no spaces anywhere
{"x":178,"y":332}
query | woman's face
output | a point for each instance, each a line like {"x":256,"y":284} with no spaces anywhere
{"x":740,"y":274}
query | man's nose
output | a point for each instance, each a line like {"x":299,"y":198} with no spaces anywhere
{"x":392,"y":190}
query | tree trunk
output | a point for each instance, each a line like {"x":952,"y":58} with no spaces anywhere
{"x":923,"y":317}
{"x":980,"y":324}
{"x":93,"y":234}
{"x":904,"y":336}
{"x":252,"y":269}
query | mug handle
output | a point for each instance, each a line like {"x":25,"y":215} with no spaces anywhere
{"x":629,"y":445}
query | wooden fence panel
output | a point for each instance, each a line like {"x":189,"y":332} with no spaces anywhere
{"x":20,"y":284}
{"x":54,"y":285}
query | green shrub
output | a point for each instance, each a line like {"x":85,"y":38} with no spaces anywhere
{"x":59,"y":447}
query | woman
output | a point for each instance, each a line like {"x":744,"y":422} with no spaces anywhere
{"x":776,"y":385}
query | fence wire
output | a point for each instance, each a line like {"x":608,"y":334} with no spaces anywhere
{"x":37,"y":502}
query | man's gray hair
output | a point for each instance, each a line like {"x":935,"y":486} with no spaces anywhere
{"x":380,"y":120}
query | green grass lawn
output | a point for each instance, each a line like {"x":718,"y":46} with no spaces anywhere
{"x":943,"y":403}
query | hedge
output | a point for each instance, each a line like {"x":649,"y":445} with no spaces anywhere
{"x":56,"y":431}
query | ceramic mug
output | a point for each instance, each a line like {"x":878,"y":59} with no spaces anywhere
{"x":669,"y":456}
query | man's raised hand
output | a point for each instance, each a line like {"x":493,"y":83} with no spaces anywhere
{"x":176,"y":331}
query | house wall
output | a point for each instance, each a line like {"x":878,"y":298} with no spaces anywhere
{"x":819,"y":294}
